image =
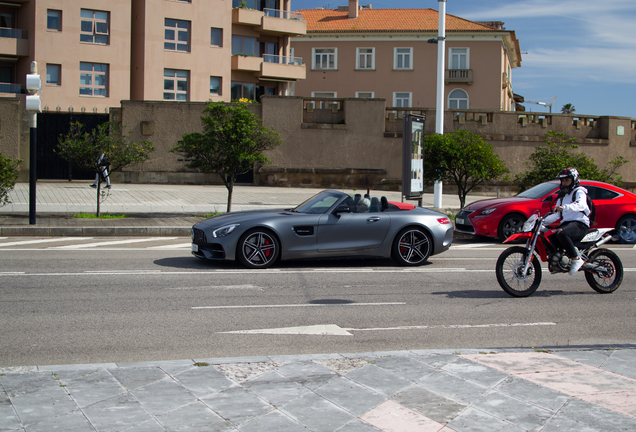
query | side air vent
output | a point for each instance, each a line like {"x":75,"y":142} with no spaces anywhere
{"x":304,"y":230}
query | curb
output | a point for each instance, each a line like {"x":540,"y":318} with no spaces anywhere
{"x":95,"y":231}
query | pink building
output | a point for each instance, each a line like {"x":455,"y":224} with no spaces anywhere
{"x":92,"y":54}
{"x":357,"y":51}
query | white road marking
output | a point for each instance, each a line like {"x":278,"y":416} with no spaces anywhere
{"x":334,"y":330}
{"x":223,"y":287}
{"x":116,"y":272}
{"x":471,"y":246}
{"x":107,"y":243}
{"x":297,"y":305}
{"x":61,"y":239}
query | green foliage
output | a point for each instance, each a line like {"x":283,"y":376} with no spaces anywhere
{"x":230,"y":145}
{"x":83,"y":215}
{"x":568,"y":109}
{"x":558,"y":153}
{"x":9,"y":169}
{"x":83,"y":149}
{"x":462,"y":158}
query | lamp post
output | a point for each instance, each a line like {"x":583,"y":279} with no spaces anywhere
{"x":439,"y":111}
{"x":33,"y":106}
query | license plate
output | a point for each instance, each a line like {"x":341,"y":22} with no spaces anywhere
{"x":459,"y":221}
{"x":195,"y":248}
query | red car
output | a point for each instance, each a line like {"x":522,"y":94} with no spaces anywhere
{"x":501,"y":217}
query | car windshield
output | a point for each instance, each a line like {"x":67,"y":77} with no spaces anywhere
{"x":319,"y":203}
{"x":539,"y":191}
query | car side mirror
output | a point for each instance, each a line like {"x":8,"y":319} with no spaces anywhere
{"x":342,"y":209}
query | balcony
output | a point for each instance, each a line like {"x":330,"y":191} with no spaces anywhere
{"x":246,"y":63}
{"x":279,"y":67}
{"x":459,"y":76}
{"x":14,"y":42}
{"x":12,"y":88}
{"x":271,"y":21}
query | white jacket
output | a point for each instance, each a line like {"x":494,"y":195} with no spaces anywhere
{"x":574,"y":208}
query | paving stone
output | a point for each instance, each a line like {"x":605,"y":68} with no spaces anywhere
{"x":275,"y":388}
{"x":404,"y":366}
{"x":353,"y":397}
{"x":593,"y":416}
{"x":42,"y":404}
{"x":274,"y":421}
{"x":393,"y":417}
{"x":71,"y":422}
{"x":203,"y":381}
{"x":86,"y":389}
{"x":116,"y":414}
{"x":358,"y":426}
{"x":380,"y":380}
{"x":437,"y":360}
{"x":592,"y":358}
{"x":535,"y":394}
{"x":194,"y":417}
{"x":8,"y":417}
{"x":520,"y":414}
{"x":452,"y":387}
{"x":237,"y":405}
{"x":163,"y":396}
{"x":148,"y":426}
{"x":430,"y":404}
{"x":475,"y":372}
{"x":473,"y":420}
{"x":308,"y":374}
{"x":622,"y":362}
{"x":134,"y":377}
{"x":317,"y":413}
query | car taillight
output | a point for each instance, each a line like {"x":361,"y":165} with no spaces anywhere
{"x":444,"y":221}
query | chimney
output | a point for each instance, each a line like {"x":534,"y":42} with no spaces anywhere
{"x":353,"y":8}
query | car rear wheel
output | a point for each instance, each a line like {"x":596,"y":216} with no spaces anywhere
{"x":626,"y":227}
{"x":510,"y":225}
{"x":412,"y":247}
{"x":258,"y":248}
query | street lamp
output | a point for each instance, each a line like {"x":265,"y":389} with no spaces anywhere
{"x":33,"y":106}
{"x":439,"y":112}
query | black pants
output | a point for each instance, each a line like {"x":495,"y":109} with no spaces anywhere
{"x":571,"y":233}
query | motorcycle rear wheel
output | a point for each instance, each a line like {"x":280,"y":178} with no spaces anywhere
{"x":509,"y":267}
{"x":608,"y":282}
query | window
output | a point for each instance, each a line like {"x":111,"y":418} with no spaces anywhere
{"x":365,"y":58}
{"x":93,"y":79}
{"x":176,"y":36}
{"x":54,"y":20}
{"x":256,"y":4}
{"x":264,"y":91}
{"x":599,"y":193}
{"x":458,"y":99}
{"x":94,"y":27}
{"x":402,"y":58}
{"x":216,"y":37}
{"x":53,"y":74}
{"x":365,"y":94}
{"x":402,"y":100}
{"x":325,"y":58}
{"x":243,"y":90}
{"x":175,"y":85}
{"x":215,"y":86}
{"x":458,"y":58}
{"x":324,"y":104}
{"x":270,"y":52}
{"x":244,"y":46}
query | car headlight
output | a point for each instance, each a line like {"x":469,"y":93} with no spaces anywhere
{"x":488,"y":211}
{"x":223,"y":231}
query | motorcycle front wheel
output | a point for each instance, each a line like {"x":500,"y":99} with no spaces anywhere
{"x":608,"y":276}
{"x":509,"y":272}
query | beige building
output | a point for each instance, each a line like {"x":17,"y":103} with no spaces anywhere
{"x":92,"y":54}
{"x":357,"y":51}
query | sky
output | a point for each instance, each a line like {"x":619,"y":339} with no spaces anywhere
{"x":583,"y":52}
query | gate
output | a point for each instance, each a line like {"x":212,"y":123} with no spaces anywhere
{"x":50,"y":126}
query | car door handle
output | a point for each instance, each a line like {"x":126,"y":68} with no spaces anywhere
{"x":373,"y":219}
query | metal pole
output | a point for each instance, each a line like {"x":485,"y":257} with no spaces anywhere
{"x":33,"y":175}
{"x":439,"y":113}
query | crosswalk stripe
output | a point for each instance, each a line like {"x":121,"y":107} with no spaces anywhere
{"x":108,"y":243}
{"x":61,"y":239}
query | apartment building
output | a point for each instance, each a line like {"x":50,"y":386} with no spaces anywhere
{"x":357,"y":51}
{"x":92,"y":54}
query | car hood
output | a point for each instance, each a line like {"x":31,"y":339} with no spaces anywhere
{"x":495,"y":202}
{"x":240,"y":217}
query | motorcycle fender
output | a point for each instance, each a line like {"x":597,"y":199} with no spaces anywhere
{"x":522,"y":235}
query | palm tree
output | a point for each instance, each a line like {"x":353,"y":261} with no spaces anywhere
{"x":568,"y":109}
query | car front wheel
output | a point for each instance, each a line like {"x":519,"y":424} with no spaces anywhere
{"x":626,"y":227}
{"x":509,"y":225}
{"x":258,"y":248}
{"x":412,"y":247}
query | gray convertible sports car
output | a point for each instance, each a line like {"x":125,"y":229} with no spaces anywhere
{"x":330,"y":224}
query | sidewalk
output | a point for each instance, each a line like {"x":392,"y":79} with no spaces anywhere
{"x":152,"y":209}
{"x":564,"y":389}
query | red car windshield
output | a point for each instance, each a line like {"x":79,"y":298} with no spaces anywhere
{"x":539,"y":191}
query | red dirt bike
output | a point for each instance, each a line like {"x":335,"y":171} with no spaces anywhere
{"x":519,"y":267}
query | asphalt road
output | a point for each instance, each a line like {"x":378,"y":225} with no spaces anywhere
{"x":93,"y":300}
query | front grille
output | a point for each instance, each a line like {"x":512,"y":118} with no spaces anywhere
{"x":198,"y":236}
{"x":467,"y":226}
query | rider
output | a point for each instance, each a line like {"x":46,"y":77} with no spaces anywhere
{"x":572,"y":211}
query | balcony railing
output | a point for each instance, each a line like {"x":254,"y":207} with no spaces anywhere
{"x":459,"y":76}
{"x":11,"y":88}
{"x":276,"y":13}
{"x":270,"y":58}
{"x":13,"y":33}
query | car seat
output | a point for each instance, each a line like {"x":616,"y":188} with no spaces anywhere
{"x":384,"y":203}
{"x":375,"y":205}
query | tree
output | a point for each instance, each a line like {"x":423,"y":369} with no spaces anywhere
{"x":558,"y":153}
{"x":83,"y":150}
{"x":9,"y":169}
{"x":462,"y":158}
{"x":568,"y":109}
{"x":230,"y":145}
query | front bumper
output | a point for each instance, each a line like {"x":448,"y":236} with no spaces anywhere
{"x":463,"y":223}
